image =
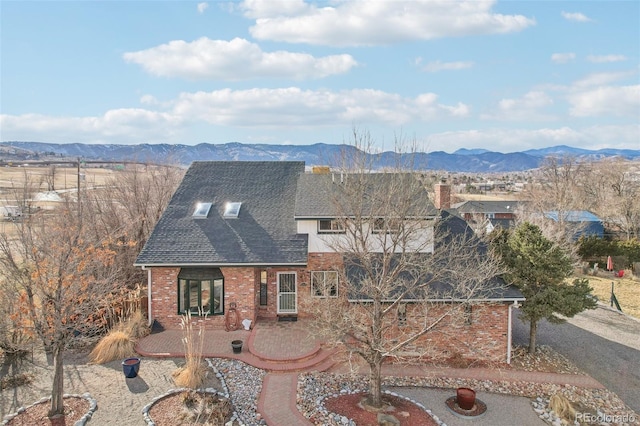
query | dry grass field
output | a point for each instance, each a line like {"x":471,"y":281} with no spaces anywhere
{"x":14,"y":179}
{"x":66,"y":178}
{"x":626,"y":289}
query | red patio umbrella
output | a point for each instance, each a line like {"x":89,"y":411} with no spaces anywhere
{"x":609,"y":264}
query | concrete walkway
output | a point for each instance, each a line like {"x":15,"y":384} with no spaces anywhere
{"x":285,"y":349}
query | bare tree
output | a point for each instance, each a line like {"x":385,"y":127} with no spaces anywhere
{"x":397,"y":259}
{"x":613,"y":188}
{"x":59,"y":279}
{"x":130,"y":204}
{"x":555,"y":192}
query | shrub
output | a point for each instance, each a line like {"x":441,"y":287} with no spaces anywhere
{"x":563,"y":408}
{"x":135,"y":326}
{"x":115,"y":345}
{"x":192,"y":375}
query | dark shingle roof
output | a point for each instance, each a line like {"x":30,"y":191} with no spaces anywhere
{"x":263,"y":233}
{"x":319,"y":194}
{"x":488,"y":206}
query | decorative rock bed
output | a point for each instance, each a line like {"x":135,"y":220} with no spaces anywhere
{"x":93,"y":406}
{"x":243,"y":391}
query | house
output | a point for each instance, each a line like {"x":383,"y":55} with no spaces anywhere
{"x":10,"y":212}
{"x":249,"y":240}
{"x":487,"y":215}
{"x":583,"y":222}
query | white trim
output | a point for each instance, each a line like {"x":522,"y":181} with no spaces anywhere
{"x":149,"y":312}
{"x":214,"y":265}
{"x":509,"y":334}
{"x":514,"y":300}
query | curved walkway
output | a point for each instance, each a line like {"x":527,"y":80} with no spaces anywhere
{"x":285,"y":349}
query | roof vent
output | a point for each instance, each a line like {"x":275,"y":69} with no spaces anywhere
{"x":231,"y":210}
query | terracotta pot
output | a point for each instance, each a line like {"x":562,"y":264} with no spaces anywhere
{"x":465,"y":398}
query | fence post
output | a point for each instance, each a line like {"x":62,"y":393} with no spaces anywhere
{"x":614,"y":299}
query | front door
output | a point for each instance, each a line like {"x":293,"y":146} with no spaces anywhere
{"x":287,"y":297}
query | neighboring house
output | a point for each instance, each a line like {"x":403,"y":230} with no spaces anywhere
{"x":10,"y":212}
{"x":250,"y":238}
{"x":584,"y":222}
{"x":488,"y":215}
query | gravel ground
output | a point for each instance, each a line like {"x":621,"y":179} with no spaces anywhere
{"x":121,"y":400}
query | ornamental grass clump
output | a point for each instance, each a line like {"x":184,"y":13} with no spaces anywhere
{"x":115,"y":345}
{"x":563,"y":408}
{"x":193,"y":374}
{"x":120,"y":342}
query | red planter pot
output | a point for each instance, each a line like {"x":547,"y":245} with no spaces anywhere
{"x":465,"y":398}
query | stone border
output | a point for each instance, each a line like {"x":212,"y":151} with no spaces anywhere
{"x":224,"y":394}
{"x":93,"y":406}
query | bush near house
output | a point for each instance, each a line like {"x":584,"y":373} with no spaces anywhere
{"x":596,"y":250}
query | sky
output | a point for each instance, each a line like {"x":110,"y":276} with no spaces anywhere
{"x":442,"y":75}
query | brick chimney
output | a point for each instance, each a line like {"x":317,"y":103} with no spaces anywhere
{"x":321,"y":170}
{"x":442,"y":199}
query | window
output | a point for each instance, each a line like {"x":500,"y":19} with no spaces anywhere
{"x":231,"y":210}
{"x":263,"y":288}
{"x":402,"y":314}
{"x":202,"y":210}
{"x":201,"y":291}
{"x":324,"y":284}
{"x":327,"y":226}
{"x":390,"y":226}
{"x":468,"y":320}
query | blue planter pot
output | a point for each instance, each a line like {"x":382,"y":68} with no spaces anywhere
{"x":130,"y":367}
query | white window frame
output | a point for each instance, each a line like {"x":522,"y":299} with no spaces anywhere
{"x":325,"y":288}
{"x":382,"y":225}
{"x":337,"y":227}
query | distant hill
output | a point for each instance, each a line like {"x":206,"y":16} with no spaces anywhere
{"x":464,"y":160}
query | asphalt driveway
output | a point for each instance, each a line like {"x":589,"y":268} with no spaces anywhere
{"x":603,"y":343}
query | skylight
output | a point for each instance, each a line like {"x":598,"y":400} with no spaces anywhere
{"x":231,"y":210}
{"x":202,"y":210}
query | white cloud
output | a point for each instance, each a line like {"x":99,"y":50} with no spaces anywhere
{"x":127,"y":125}
{"x":606,"y":58}
{"x":606,"y":100}
{"x":563,"y":58}
{"x":202,"y":7}
{"x":576,"y":17}
{"x":296,"y":107}
{"x":365,"y":23}
{"x":602,"y":78}
{"x":261,"y":109}
{"x":436,"y":66}
{"x":527,"y":108}
{"x":512,"y":140}
{"x":237,"y":59}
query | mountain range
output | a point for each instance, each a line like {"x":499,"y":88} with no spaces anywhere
{"x":463,"y":160}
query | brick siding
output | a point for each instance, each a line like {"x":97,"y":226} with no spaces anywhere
{"x":484,"y":338}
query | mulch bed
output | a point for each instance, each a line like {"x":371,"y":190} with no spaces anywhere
{"x":36,"y":415}
{"x":350,"y":406}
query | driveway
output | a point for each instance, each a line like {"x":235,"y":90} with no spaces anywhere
{"x":602,"y":342}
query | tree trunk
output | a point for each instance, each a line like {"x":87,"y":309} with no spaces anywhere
{"x":57,"y":390}
{"x":375,"y":383}
{"x":533,"y":330}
